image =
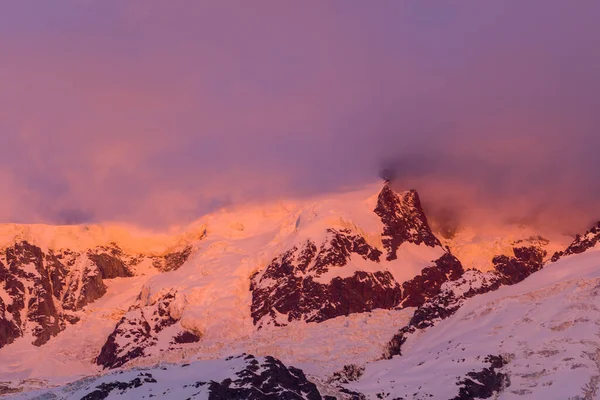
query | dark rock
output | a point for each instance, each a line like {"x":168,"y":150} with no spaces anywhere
{"x":275,"y":381}
{"x":289,"y":285}
{"x":84,"y":291}
{"x":403,"y":220}
{"x":248,"y":378}
{"x":109,"y":263}
{"x":58,"y":283}
{"x":186,"y":337}
{"x":581,"y":243}
{"x":507,"y":271}
{"x":104,"y":390}
{"x":526,"y":261}
{"x":349,"y":373}
{"x":5,"y":390}
{"x":290,"y":288}
{"x":172,"y":261}
{"x":485,"y":383}
{"x":29,"y":277}
{"x":138,"y":330}
{"x":428,"y":283}
{"x":9,"y":330}
{"x":54,"y":287}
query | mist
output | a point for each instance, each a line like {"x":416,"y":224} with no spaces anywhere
{"x":154,"y":114}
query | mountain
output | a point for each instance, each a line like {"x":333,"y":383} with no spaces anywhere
{"x":243,"y":377}
{"x":339,"y":286}
{"x":537,"y":338}
{"x":43,"y":290}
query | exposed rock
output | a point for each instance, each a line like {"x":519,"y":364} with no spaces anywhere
{"x":427,"y":284}
{"x":292,"y":286}
{"x":289,"y":289}
{"x":9,"y":330}
{"x":139,"y":330}
{"x":104,"y":390}
{"x":243,"y":377}
{"x":349,"y":373}
{"x":269,"y":380}
{"x":172,"y":261}
{"x":526,"y":261}
{"x":6,"y":389}
{"x":403,"y":220}
{"x":453,"y":293}
{"x":84,"y":286}
{"x":29,"y":286}
{"x":43,"y":289}
{"x":109,"y":261}
{"x":485,"y":383}
{"x":581,"y":243}
{"x":46,"y":288}
{"x":186,"y":337}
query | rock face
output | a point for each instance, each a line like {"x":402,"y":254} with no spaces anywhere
{"x":34,"y":287}
{"x":140,"y":330}
{"x":427,"y":285}
{"x":242,"y":377}
{"x":289,"y":289}
{"x":309,"y":282}
{"x":172,"y":261}
{"x":581,"y":243}
{"x":41,"y":291}
{"x":453,"y":293}
{"x":267,"y":380}
{"x":485,"y":383}
{"x":403,"y":221}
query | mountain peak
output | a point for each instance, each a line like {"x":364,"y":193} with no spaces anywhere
{"x":404,"y":220}
{"x":581,"y":243}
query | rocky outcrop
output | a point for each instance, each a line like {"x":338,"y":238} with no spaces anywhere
{"x":309,"y":282}
{"x":270,"y":379}
{"x":485,"y":383}
{"x":109,"y":261}
{"x":428,"y":283}
{"x":289,"y":289}
{"x":41,"y":291}
{"x":172,"y":261}
{"x":581,"y":243}
{"x":104,"y":390}
{"x":27,"y":282}
{"x":453,"y":293}
{"x":140,"y":330}
{"x":241,"y":377}
{"x":403,"y":220}
{"x":526,"y":260}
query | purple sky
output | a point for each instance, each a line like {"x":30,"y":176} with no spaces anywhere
{"x":155,"y":112}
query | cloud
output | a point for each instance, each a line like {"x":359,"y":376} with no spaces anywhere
{"x":155,"y":114}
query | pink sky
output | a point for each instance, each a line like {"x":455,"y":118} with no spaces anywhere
{"x":153,"y":113}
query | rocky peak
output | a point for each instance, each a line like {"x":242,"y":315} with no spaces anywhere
{"x":42,"y":290}
{"x":403,"y":220}
{"x":288,"y":289}
{"x":581,"y":243}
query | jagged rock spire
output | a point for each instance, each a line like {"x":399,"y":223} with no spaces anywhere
{"x":403,"y":220}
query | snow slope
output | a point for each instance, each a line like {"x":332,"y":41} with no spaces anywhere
{"x":545,"y":327}
{"x":203,"y":308}
{"x":212,"y":286}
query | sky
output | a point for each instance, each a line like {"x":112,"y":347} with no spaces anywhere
{"x":154,"y":113}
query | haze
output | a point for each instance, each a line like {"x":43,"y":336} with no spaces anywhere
{"x":153,"y":113}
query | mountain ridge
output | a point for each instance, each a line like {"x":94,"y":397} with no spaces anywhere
{"x":324,"y":262}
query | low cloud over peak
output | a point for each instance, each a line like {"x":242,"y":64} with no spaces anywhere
{"x":155,"y":114}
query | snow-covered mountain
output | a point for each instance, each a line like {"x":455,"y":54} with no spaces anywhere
{"x":535,"y":339}
{"x":351,"y":288}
